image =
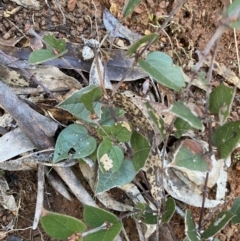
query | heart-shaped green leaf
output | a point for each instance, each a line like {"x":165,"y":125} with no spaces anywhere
{"x":74,"y":137}
{"x":73,"y":105}
{"x":160,"y":66}
{"x":58,"y":44}
{"x":61,"y":226}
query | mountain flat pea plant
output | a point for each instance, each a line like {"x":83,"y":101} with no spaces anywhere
{"x":121,"y":151}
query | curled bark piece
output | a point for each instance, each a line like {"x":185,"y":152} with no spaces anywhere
{"x":75,"y":185}
{"x":56,"y":182}
{"x":38,"y":128}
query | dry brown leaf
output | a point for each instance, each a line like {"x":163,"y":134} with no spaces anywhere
{"x":71,"y":4}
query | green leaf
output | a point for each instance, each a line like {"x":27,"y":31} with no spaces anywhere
{"x":61,"y":226}
{"x":141,"y":148}
{"x":73,"y":105}
{"x":189,"y":155}
{"x":42,"y":55}
{"x":181,"y":127}
{"x":190,"y":230}
{"x":110,"y":157}
{"x":120,"y":131}
{"x":231,"y":13}
{"x":160,"y":66}
{"x":170,"y":209}
{"x":58,"y":44}
{"x":88,"y":98}
{"x":226,"y":138}
{"x":220,"y":101}
{"x":109,"y":234}
{"x":74,"y":137}
{"x":157,"y":120}
{"x":132,"y":49}
{"x":145,"y":214}
{"x":182,"y":111}
{"x":236,"y":219}
{"x":217,"y":224}
{"x":110,"y":179}
{"x":236,"y":210}
{"x":95,"y":217}
{"x":129,"y":7}
{"x":106,"y":117}
{"x":232,"y":7}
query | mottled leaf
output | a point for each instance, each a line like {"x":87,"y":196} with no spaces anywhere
{"x":110,"y":157}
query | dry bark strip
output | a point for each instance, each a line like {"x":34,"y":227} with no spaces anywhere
{"x":38,"y":128}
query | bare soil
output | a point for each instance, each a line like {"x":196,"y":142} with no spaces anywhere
{"x":189,"y":30}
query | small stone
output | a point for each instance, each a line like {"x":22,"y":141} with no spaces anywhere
{"x":6,"y":35}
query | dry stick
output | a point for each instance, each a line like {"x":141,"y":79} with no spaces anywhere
{"x":75,"y":185}
{"x":161,"y":176}
{"x":236,"y":46}
{"x":203,"y":203}
{"x":31,"y":77}
{"x":40,"y":196}
{"x":209,"y":77}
